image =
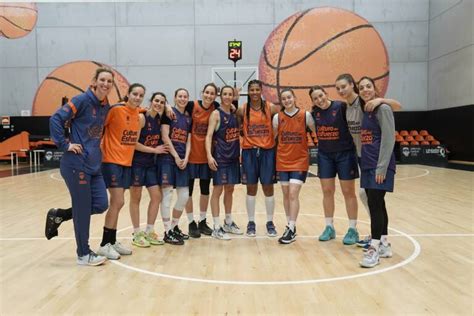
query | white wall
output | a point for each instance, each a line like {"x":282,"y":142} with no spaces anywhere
{"x":174,"y":43}
{"x":451,"y":54}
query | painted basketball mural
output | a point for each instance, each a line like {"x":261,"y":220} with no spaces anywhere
{"x":17,"y":19}
{"x":314,"y":46}
{"x":70,"y":80}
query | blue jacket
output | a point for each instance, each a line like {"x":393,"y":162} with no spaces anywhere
{"x":87,"y":116}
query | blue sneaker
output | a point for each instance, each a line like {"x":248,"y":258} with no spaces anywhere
{"x":351,"y":237}
{"x":328,"y":234}
{"x":364,"y":242}
{"x":251,"y":231}
{"x":271,"y":230}
{"x":366,"y":247}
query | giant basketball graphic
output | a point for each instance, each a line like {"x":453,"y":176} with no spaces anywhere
{"x":314,"y":46}
{"x":70,"y":80}
{"x":17,"y":19}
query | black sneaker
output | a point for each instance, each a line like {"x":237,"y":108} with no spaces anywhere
{"x":288,"y":236}
{"x":178,"y":232}
{"x":52,"y":223}
{"x":193,"y":230}
{"x":171,"y":238}
{"x":204,"y":229}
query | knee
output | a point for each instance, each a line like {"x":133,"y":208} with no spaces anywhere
{"x":328,"y":191}
{"x":348,"y":192}
{"x":217,"y":190}
{"x":267,"y":190}
{"x":204,"y":186}
{"x":252,"y":189}
{"x":100,"y":206}
{"x":229,"y":189}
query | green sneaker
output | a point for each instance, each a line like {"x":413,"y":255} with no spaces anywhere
{"x":328,"y":234}
{"x":351,"y":237}
{"x":152,"y":238}
{"x":139,"y":240}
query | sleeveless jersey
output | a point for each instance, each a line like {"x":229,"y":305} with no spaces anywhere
{"x":258,"y":130}
{"x":121,"y":134}
{"x":150,"y":135}
{"x":179,"y":129}
{"x":292,"y":150}
{"x":200,"y":118}
{"x":226,"y":140}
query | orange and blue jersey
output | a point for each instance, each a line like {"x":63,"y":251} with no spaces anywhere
{"x":150,"y":136}
{"x":226,"y":140}
{"x":179,"y":129}
{"x":257,"y":129}
{"x":87,"y":115}
{"x":292,"y":150}
{"x":332,"y":129}
{"x":121,"y":135}
{"x":200,"y":118}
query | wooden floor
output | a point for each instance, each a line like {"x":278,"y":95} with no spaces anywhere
{"x":431,"y":272}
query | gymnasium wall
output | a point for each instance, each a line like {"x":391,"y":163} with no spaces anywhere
{"x":175,"y":43}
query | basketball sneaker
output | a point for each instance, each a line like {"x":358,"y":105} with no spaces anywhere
{"x":140,"y":240}
{"x":178,"y":232}
{"x":271,"y":230}
{"x":193,"y":230}
{"x":364,"y":242}
{"x":204,"y":228}
{"x":171,"y":238}
{"x":385,"y":251}
{"x":220,"y":234}
{"x":370,"y":258}
{"x":152,"y":238}
{"x":52,"y":223}
{"x":288,"y":237}
{"x":351,"y":237}
{"x":121,"y":249}
{"x":232,"y":228}
{"x":91,"y":260}
{"x":251,"y":230}
{"x":328,"y":234}
{"x":108,"y":252}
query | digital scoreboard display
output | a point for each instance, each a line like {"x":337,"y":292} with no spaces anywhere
{"x":234,"y":51}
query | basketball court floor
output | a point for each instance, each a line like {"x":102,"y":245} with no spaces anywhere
{"x":431,"y":272}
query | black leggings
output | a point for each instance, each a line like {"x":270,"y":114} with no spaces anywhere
{"x":378,"y":213}
{"x":203,"y":185}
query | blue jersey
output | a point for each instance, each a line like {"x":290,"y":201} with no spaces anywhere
{"x":87,"y":116}
{"x":371,"y":136}
{"x":150,"y":136}
{"x":179,"y":130}
{"x":226,"y":141}
{"x":331,"y":128}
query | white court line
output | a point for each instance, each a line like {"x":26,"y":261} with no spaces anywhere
{"x":425,"y":173}
{"x":241,"y":237}
{"x":52,"y":176}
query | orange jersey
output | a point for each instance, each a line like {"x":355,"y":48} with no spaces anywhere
{"x":200,"y":118}
{"x":121,"y":135}
{"x":258,"y":131}
{"x":292,"y":150}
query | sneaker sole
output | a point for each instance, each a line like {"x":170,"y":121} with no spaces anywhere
{"x":348,"y":243}
{"x":175,"y":243}
{"x":250,"y":234}
{"x":286,"y":242}
{"x":326,"y":239}
{"x":272,"y":235}
{"x":140,"y":245}
{"x":368,"y":266}
{"x":157,"y":243}
{"x":50,"y":222}
{"x":91,"y":264}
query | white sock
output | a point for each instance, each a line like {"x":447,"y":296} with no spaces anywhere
{"x":352,"y":223}
{"x":167,"y":225}
{"x":270,"y":207}
{"x":375,"y":243}
{"x":202,"y":216}
{"x":190,"y":217}
{"x":287,"y":219}
{"x":250,"y":201}
{"x":136,"y":230}
{"x":384,"y":240}
{"x":292,"y":225}
{"x":216,"y":222}
{"x":150,"y":228}
{"x":228,"y":219}
{"x":174,"y":222}
{"x":329,"y":221}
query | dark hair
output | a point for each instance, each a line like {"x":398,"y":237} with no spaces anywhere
{"x":211,"y":84}
{"x":283,"y":91}
{"x":130,"y":89}
{"x":311,"y":90}
{"x":226,"y":87}
{"x":100,"y":70}
{"x":247,"y":110}
{"x":362,"y":101}
{"x":350,"y":79}
{"x":158,"y":93}
{"x":179,"y":89}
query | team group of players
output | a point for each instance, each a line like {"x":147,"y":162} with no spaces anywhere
{"x":125,"y":147}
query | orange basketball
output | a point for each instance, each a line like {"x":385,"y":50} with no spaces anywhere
{"x":70,"y":80}
{"x":17,"y":19}
{"x":314,"y":46}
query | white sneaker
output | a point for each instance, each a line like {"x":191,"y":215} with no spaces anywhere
{"x":109,"y":252}
{"x":385,"y":251}
{"x":91,"y":260}
{"x":121,"y":249}
{"x":220,"y":234}
{"x":370,"y":259}
{"x":232,"y":228}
